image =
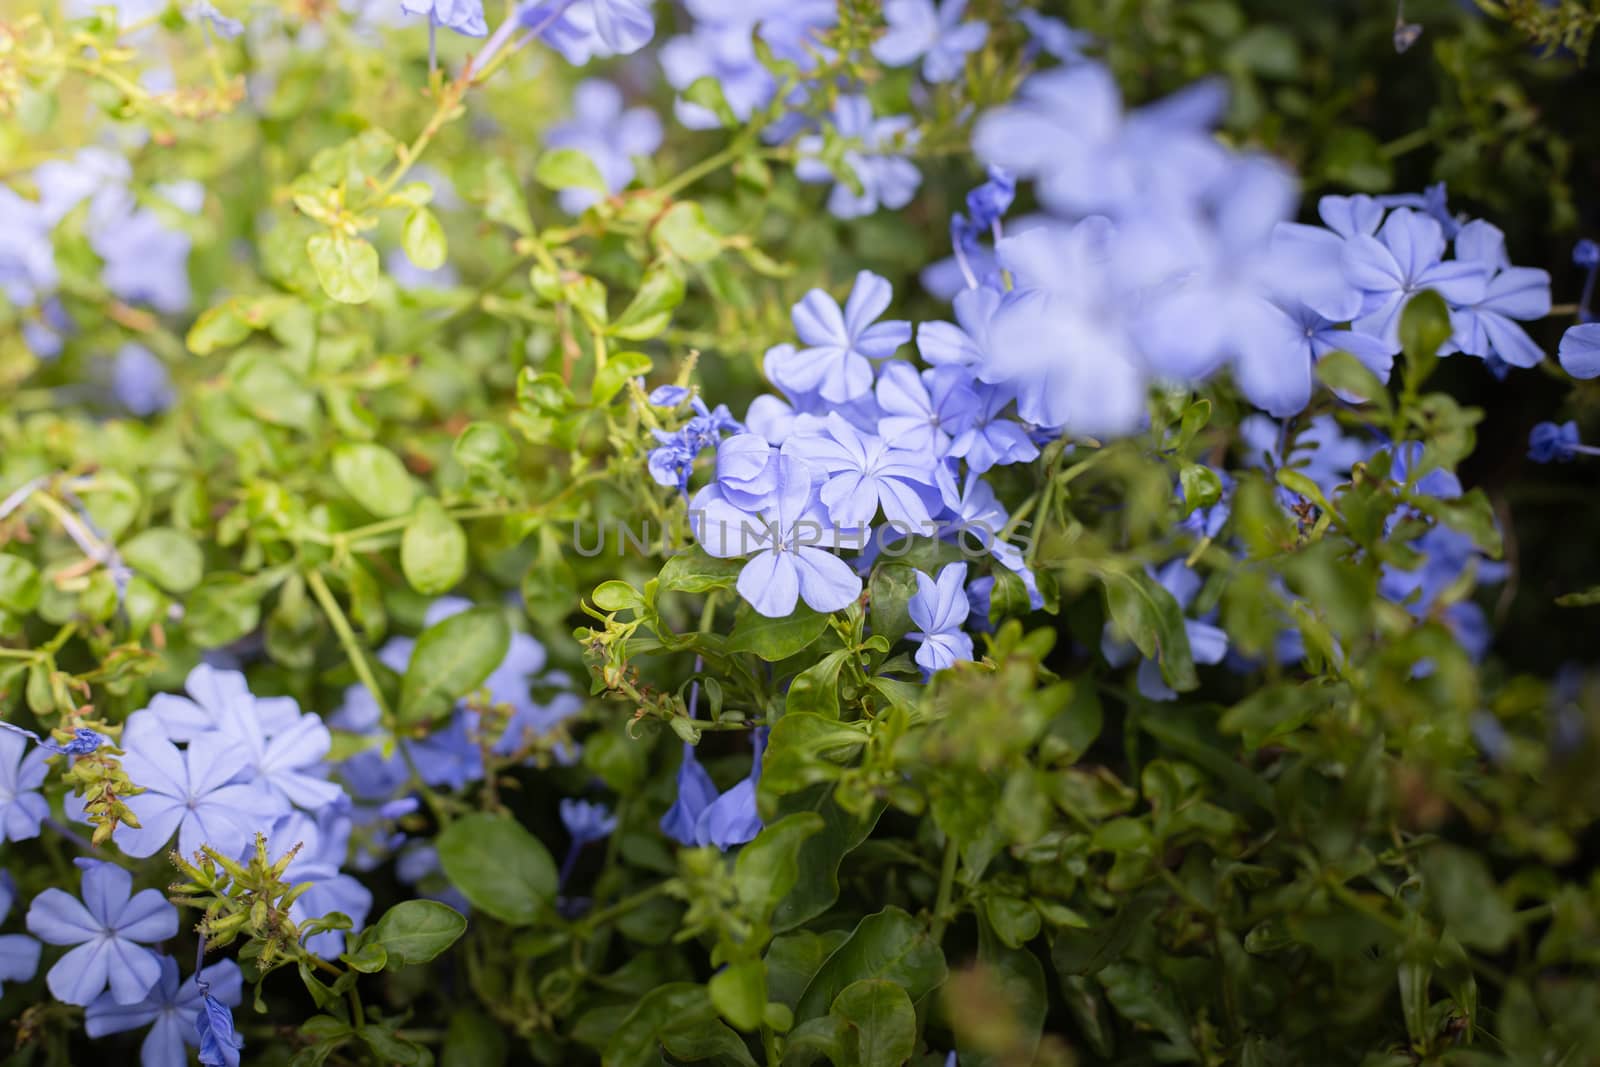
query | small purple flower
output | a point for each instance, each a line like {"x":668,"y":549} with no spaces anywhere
{"x":887,"y":178}
{"x":1557,"y":443}
{"x":1486,"y":328}
{"x":732,"y":818}
{"x":170,"y":1009}
{"x":19,"y":953}
{"x":109,"y":928}
{"x":841,"y":344}
{"x":865,"y":474}
{"x":463,"y":16}
{"x":936,"y":34}
{"x":939,"y":608}
{"x":922,"y":412}
{"x":696,"y":793}
{"x":1405,"y":258}
{"x":1580,"y":350}
{"x":668,"y":396}
{"x":22,"y":772}
{"x":609,"y":135}
{"x":582,"y":30}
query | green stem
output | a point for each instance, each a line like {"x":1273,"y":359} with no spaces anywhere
{"x":947,"y":885}
{"x":347,"y":639}
{"x":1408,"y":143}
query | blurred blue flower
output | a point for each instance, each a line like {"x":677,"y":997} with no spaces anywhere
{"x":936,"y":34}
{"x":1579,"y":351}
{"x":836,"y":364}
{"x":140,"y":381}
{"x":608,"y":135}
{"x":22,"y":772}
{"x":938,"y":609}
{"x":109,"y":928}
{"x":463,"y":16}
{"x":582,"y":30}
{"x":19,"y":953}
{"x":721,"y":46}
{"x":668,"y":396}
{"x":587,"y":821}
{"x":146,"y":261}
{"x":1053,"y":37}
{"x":887,"y":178}
{"x":1550,"y":442}
{"x":221,"y":24}
{"x":170,"y":1009}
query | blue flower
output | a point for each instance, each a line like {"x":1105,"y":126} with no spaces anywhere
{"x":1553,"y":443}
{"x":1580,"y":350}
{"x":836,"y":364}
{"x":213,"y":1025}
{"x":1433,"y":201}
{"x":1485,"y":328}
{"x":1406,"y":257}
{"x":170,"y":1009}
{"x":582,"y":30}
{"x":938,"y":609}
{"x":696,"y":793}
{"x":109,"y":928}
{"x":887,"y":178}
{"x":989,"y":202}
{"x":19,"y":953}
{"x":463,"y":16}
{"x":1066,"y":130}
{"x":863,"y":473}
{"x":668,"y":396}
{"x":936,"y":35}
{"x":1054,"y":37}
{"x":786,"y":565}
{"x":221,"y":24}
{"x":991,"y":439}
{"x":732,"y":819}
{"x":673,"y":462}
{"x":608,"y":135}
{"x":201,"y":794}
{"x":922,"y":412}
{"x":587,"y":821}
{"x":22,"y":772}
{"x":146,"y":261}
{"x":722,"y":46}
{"x":140,"y":381}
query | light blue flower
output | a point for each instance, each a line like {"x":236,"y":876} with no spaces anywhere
{"x":582,"y":30}
{"x":146,"y":261}
{"x":463,"y":16}
{"x":935,"y":34}
{"x":922,"y":412}
{"x":213,"y":1026}
{"x":696,"y":793}
{"x":1580,"y":350}
{"x":1486,"y":328}
{"x":732,"y":818}
{"x":836,"y":364}
{"x":19,"y":953}
{"x":140,"y":381}
{"x":721,"y":46}
{"x":170,"y":1010}
{"x":874,"y":153}
{"x":608,"y":135}
{"x":1053,"y":37}
{"x":862,"y":474}
{"x":939,"y":608}
{"x":1403,"y":259}
{"x":109,"y":928}
{"x":205,"y":794}
{"x":782,"y":542}
{"x":587,"y":821}
{"x":22,"y":772}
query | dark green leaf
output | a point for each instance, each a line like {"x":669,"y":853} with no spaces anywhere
{"x":498,"y":866}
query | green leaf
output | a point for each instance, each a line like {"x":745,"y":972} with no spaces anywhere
{"x":568,"y":168}
{"x":1460,"y":886}
{"x":1347,"y":375}
{"x":651,"y":309}
{"x":451,"y":659}
{"x":768,"y":867}
{"x":882,"y":1021}
{"x":20,"y":584}
{"x":415,"y":931}
{"x":616,"y":595}
{"x":473,"y":1040}
{"x":498,"y":866}
{"x":694,"y":571}
{"x":684,"y":232}
{"x":423,"y":239}
{"x":821,"y":853}
{"x":222,"y":609}
{"x":739,"y":992}
{"x":170,"y":557}
{"x":1088,"y":950}
{"x":1020,"y":978}
{"x":775,"y":639}
{"x":503,"y":200}
{"x":485,"y":448}
{"x":368,"y":958}
{"x":890,"y":945}
{"x":613,"y":377}
{"x":346,"y":266}
{"x":1201,"y":486}
{"x":804,"y":749}
{"x":891,"y":587}
{"x":375,"y":478}
{"x":706,"y":92}
{"x":816,"y":689}
{"x":1148,"y":616}
{"x":433,"y":551}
